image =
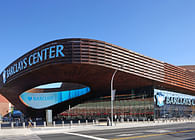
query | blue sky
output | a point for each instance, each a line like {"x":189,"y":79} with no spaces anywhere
{"x":161,"y":29}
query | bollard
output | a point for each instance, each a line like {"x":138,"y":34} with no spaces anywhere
{"x":35,"y":124}
{"x":137,"y":120}
{"x":128,"y":120}
{"x":96,"y":121}
{"x":132,"y":120}
{"x":79,"y":122}
{"x":44,"y":123}
{"x":54,"y":124}
{"x":93,"y":122}
{"x":63,"y":123}
{"x":148,"y":120}
{"x":117,"y":120}
{"x":86,"y":122}
{"x":109,"y":122}
{"x":70,"y":123}
{"x":23,"y":124}
{"x":12,"y":124}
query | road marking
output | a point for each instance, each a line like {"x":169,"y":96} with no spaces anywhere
{"x":126,"y":135}
{"x":152,"y":135}
{"x":118,"y":133}
{"x":158,"y":131}
{"x":86,"y":136}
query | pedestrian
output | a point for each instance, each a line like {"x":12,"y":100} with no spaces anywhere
{"x":17,"y":122}
{"x":29,"y":122}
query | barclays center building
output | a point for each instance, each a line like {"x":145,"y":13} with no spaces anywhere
{"x":86,"y":72}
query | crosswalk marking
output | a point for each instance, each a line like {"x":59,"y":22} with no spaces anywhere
{"x":86,"y":136}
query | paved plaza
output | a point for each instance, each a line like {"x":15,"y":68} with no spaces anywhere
{"x":141,"y":130}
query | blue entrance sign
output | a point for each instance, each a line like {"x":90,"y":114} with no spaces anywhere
{"x":43,"y":100}
{"x":162,"y":97}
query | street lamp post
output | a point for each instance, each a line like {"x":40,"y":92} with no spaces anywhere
{"x":112,"y":98}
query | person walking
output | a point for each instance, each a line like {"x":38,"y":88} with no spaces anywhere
{"x":30,"y":122}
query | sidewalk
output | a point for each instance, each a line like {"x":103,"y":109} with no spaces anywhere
{"x":83,"y":127}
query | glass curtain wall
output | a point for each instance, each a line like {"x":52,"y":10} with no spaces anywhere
{"x":133,"y":104}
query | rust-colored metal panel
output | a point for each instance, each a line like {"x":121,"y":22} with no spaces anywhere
{"x":91,"y":63}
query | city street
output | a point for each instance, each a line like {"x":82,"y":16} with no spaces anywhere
{"x":184,"y":131}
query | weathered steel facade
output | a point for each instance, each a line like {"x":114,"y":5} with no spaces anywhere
{"x":91,"y":63}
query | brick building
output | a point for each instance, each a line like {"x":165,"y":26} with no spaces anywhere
{"x":5,"y":106}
